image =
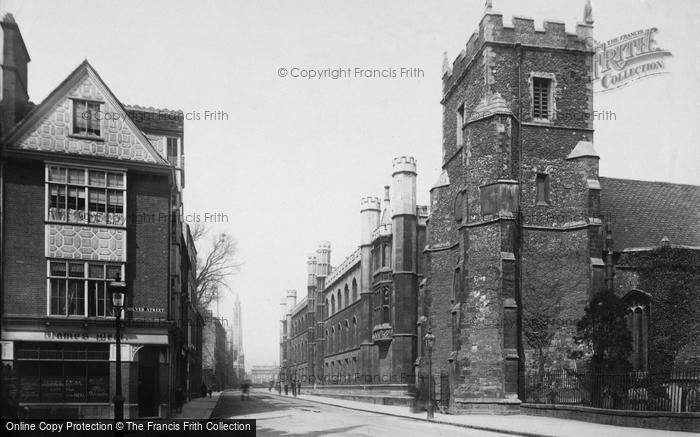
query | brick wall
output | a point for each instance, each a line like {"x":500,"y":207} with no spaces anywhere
{"x":23,"y":257}
{"x":148,"y":240}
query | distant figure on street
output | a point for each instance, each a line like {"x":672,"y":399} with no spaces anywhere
{"x":210,"y":391}
{"x":245,"y":390}
{"x":279,"y":388}
{"x":204,"y":390}
{"x":272,"y":383}
{"x":286,"y":388}
{"x":179,"y":399}
{"x":294,"y":388}
{"x":298,"y":387}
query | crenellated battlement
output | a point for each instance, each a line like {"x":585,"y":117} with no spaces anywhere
{"x":348,"y":263}
{"x":405,"y":164}
{"x":522,"y":31}
{"x":370,"y":203}
{"x":324,"y":246}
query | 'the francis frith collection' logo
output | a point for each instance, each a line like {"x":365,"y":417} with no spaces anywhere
{"x":629,"y":57}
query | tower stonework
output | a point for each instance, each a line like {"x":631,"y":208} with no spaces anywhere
{"x":404,"y":265}
{"x":370,"y":210}
{"x":515,"y":211}
{"x":311,"y":267}
{"x":323,"y":268}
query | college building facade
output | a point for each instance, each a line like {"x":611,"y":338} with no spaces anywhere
{"x":522,"y":232}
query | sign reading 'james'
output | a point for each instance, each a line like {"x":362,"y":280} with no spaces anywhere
{"x":628,"y":57}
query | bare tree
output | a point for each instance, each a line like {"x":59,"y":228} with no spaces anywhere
{"x":214,"y":266}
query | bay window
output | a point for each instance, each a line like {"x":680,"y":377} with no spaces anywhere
{"x":77,"y":195}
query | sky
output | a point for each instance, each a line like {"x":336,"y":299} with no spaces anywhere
{"x":294,"y":156}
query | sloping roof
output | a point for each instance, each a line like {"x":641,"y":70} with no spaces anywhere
{"x":643,"y":212}
{"x":156,"y":120}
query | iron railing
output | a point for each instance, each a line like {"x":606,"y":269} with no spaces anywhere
{"x":674,"y":391}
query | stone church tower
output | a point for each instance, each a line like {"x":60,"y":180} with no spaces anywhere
{"x":513,"y":236}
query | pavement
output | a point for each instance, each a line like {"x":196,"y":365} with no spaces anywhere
{"x":518,"y":424}
{"x":199,"y":408}
{"x":286,"y":416}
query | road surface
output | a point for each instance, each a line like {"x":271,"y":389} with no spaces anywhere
{"x":288,"y":416}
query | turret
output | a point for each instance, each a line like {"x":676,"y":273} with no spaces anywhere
{"x":404,"y":190}
{"x":370,"y":208}
{"x":323,"y":259}
{"x":311,"y":268}
{"x":404,"y":265}
{"x":291,"y":300}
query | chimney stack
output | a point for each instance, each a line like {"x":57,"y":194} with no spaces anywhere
{"x":14,"y":58}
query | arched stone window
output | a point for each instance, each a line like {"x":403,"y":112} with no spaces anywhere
{"x":354,"y":290}
{"x":340,"y":300}
{"x":346,"y":292}
{"x":333,"y":304}
{"x":340,"y":337}
{"x":332,"y":340}
{"x":387,"y":255}
{"x":326,"y":309}
{"x":346,"y":335}
{"x":354,"y":331}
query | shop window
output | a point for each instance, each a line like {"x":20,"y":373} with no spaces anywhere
{"x":62,"y":372}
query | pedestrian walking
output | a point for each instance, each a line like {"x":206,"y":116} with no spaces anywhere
{"x":286,"y":388}
{"x":204,"y":390}
{"x":298,"y":387}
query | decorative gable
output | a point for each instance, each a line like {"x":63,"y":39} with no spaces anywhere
{"x":52,"y":126}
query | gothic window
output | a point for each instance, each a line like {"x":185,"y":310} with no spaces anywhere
{"x":354,"y":331}
{"x":332,"y":340}
{"x":542,"y":188}
{"x":347,"y":295}
{"x":340,"y":300}
{"x":638,"y":324}
{"x":386,"y":306}
{"x":341,"y":346}
{"x":354,"y":290}
{"x":386,"y":257}
{"x":333,"y":304}
{"x":346,"y":335}
{"x":541,"y":98}
{"x":326,"y":309}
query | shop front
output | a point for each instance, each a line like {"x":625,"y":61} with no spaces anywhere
{"x":61,"y":372}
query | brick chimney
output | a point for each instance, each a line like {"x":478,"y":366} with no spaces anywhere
{"x":13,"y":60}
